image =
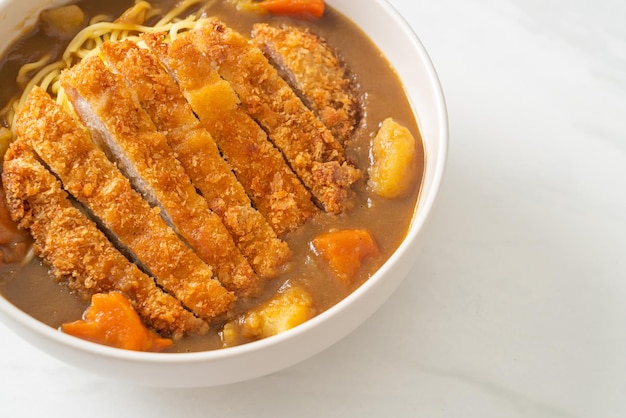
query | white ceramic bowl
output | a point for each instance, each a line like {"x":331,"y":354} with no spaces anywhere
{"x":405,"y":52}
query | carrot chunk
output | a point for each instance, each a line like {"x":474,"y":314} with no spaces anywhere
{"x":345,"y":250}
{"x":297,"y":8}
{"x":14,"y":243}
{"x":111,"y":320}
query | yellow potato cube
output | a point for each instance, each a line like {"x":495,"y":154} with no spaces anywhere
{"x":395,"y":161}
{"x":230,"y":334}
{"x":289,"y":308}
{"x":64,"y":20}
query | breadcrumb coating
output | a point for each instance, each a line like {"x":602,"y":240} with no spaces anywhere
{"x":309,"y":147}
{"x":315,"y":72}
{"x":273,"y":187}
{"x":77,"y":252}
{"x":67,"y":149}
{"x":112,"y":111}
{"x":199,"y":155}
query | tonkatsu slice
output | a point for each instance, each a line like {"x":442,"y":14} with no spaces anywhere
{"x":315,"y":72}
{"x":199,"y":155}
{"x":259,"y":166}
{"x":309,"y":147}
{"x":65,"y":146}
{"x":77,"y":252}
{"x":111,"y":110}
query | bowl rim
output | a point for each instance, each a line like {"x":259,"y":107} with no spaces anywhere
{"x":425,"y":205}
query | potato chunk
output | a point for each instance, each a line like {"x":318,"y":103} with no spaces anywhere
{"x":395,"y":164}
{"x":290,"y":307}
{"x":63,"y":21}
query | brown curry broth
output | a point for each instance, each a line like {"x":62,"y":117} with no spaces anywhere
{"x":30,"y":287}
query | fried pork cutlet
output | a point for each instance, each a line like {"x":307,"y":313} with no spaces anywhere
{"x":78,"y":252}
{"x":309,"y":147}
{"x":86,"y":173}
{"x":315,"y":72}
{"x":112,"y":111}
{"x":199,"y":155}
{"x":273,"y":187}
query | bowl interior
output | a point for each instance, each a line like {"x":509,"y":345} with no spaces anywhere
{"x":406,"y":54}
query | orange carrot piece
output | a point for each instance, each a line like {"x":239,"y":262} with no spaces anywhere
{"x":111,"y":320}
{"x":14,"y":243}
{"x":345,"y":250}
{"x":299,"y":8}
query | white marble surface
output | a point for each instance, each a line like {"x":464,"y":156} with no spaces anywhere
{"x":517,"y":306}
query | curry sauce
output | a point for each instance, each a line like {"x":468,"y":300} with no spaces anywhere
{"x":380,"y":95}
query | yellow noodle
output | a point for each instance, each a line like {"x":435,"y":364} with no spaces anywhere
{"x":183,"y":25}
{"x":22,"y":75}
{"x":38,"y":78}
{"x":177,"y":11}
{"x":62,"y":99}
{"x":29,"y":256}
{"x":55,"y":87}
{"x":87,"y":42}
{"x":49,"y":79}
{"x":99,"y":18}
{"x":248,"y":5}
{"x":136,"y":14}
{"x":152,"y":13}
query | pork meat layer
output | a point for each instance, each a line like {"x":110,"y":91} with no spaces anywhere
{"x":315,"y":72}
{"x":309,"y":147}
{"x":67,"y":149}
{"x":112,"y":111}
{"x":260,"y":167}
{"x":77,"y":252}
{"x":199,"y":155}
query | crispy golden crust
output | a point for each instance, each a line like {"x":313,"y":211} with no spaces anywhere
{"x":309,"y":147}
{"x":162,"y":175}
{"x":78,"y":252}
{"x":199,"y":155}
{"x":92,"y":179}
{"x":314,"y":70}
{"x":276,"y":191}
